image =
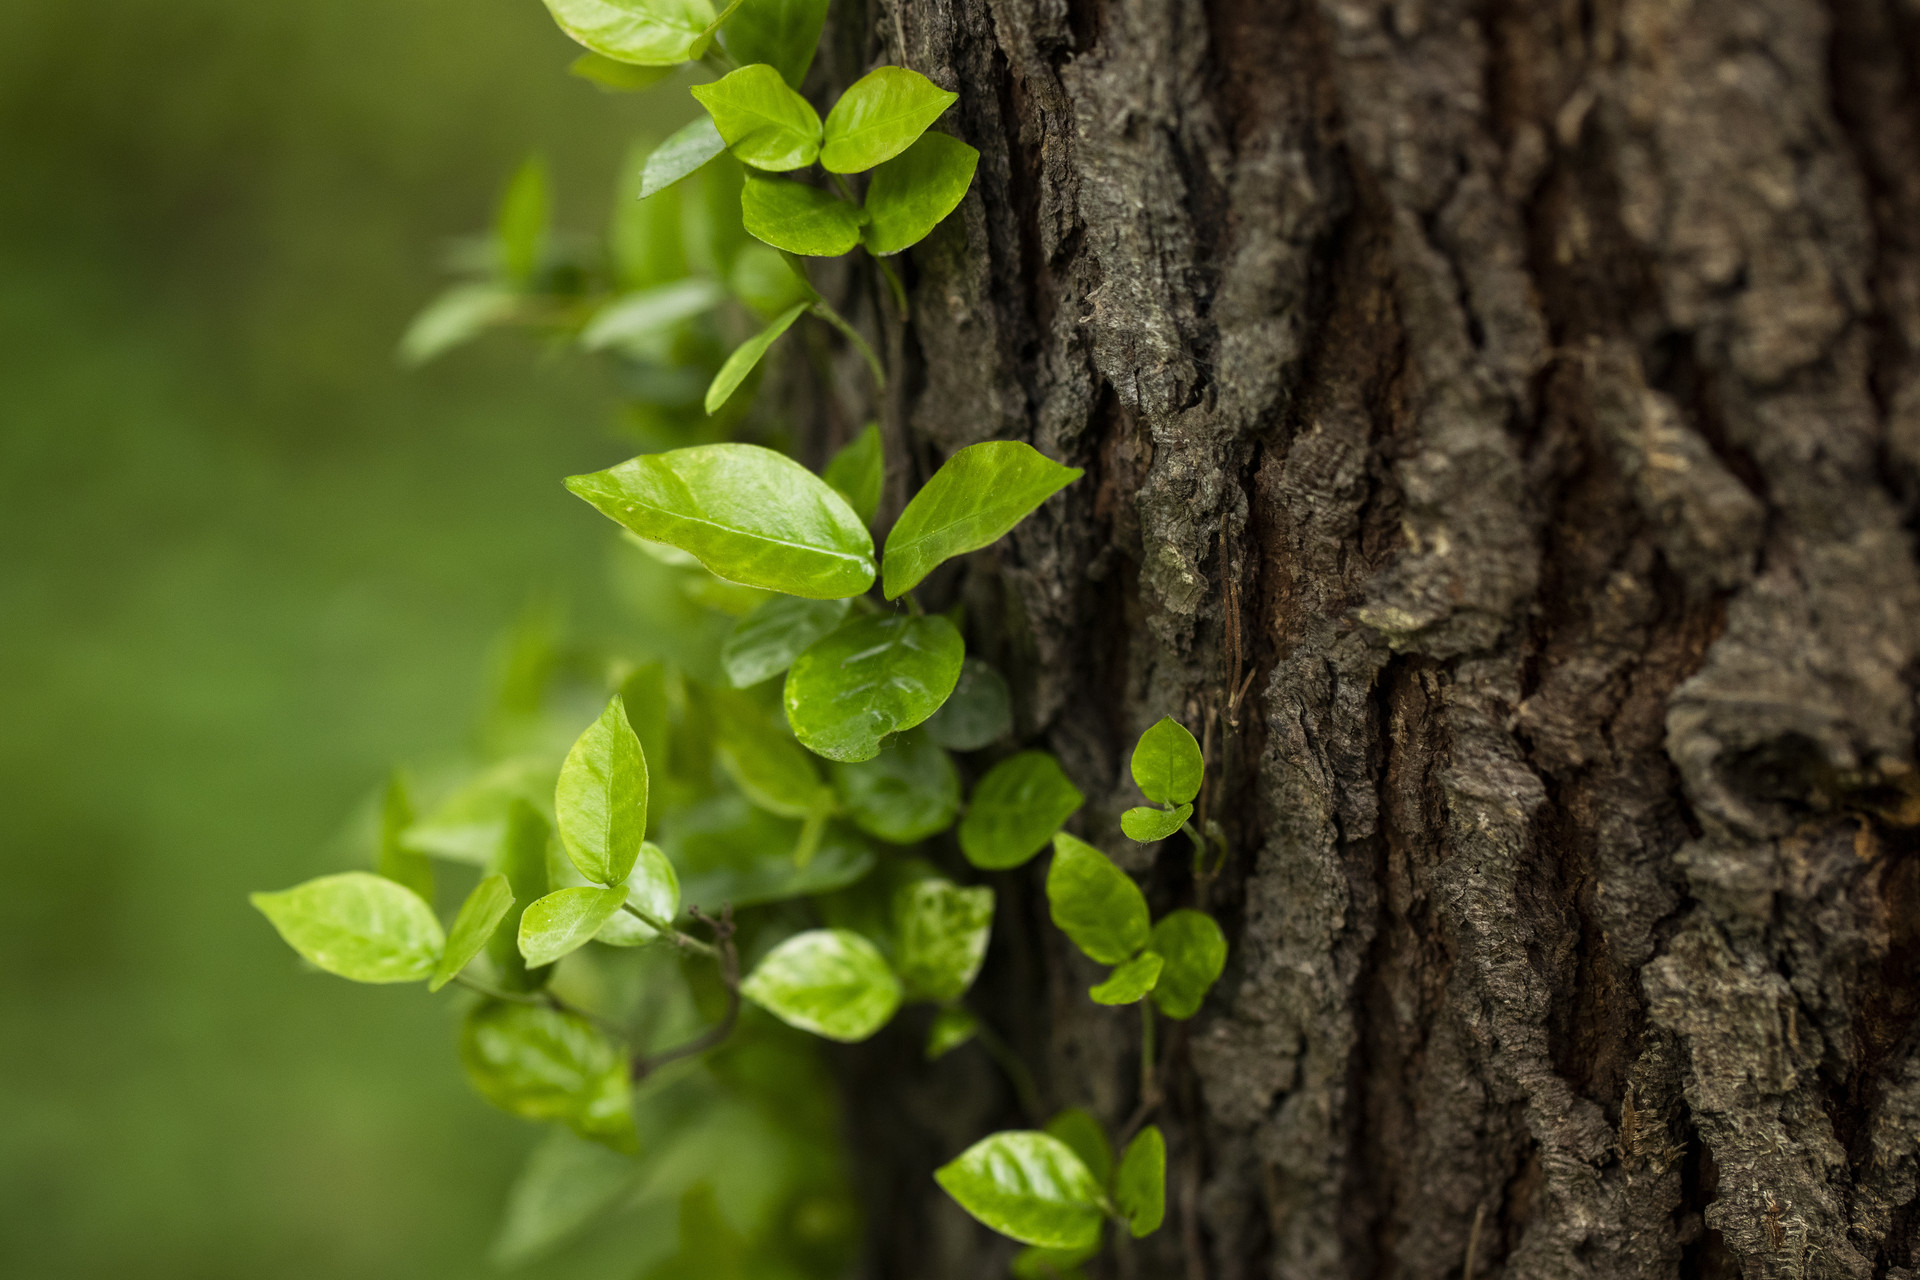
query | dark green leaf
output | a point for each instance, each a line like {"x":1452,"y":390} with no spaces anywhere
{"x":781,"y":33}
{"x":1035,"y":1263}
{"x":976,"y":496}
{"x":543,"y":1064}
{"x":616,"y":77}
{"x":872,"y":677}
{"x":878,"y":117}
{"x":357,"y":925}
{"x":654,"y":888}
{"x":520,"y":226}
{"x":765,"y":642}
{"x":1016,"y":809}
{"x":1147,"y":824}
{"x":1027,"y":1185}
{"x":1196,"y":953}
{"x":601,"y":798}
{"x":762,"y":279}
{"x":523,"y":860}
{"x":770,"y":768}
{"x":952,"y":1027}
{"x":749,"y":514}
{"x":832,"y":982}
{"x":1131,"y":981}
{"x":766,"y":124}
{"x":459,"y":315}
{"x":800,"y":219}
{"x":859,"y":471}
{"x":566,"y":920}
{"x":746,"y":356}
{"x":906,"y":793}
{"x":1167,"y":766}
{"x":940,"y":937}
{"x":979,"y":713}
{"x":1076,"y":1127}
{"x":726,"y":850}
{"x":645,"y":314}
{"x":911,"y":194}
{"x":397,"y":862}
{"x":1094,"y":902}
{"x":645,"y":32}
{"x":1140,"y":1186}
{"x":685,"y":150}
{"x":479,"y":916}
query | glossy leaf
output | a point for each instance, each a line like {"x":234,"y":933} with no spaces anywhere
{"x":770,"y":768}
{"x":520,"y":225}
{"x":646,"y":32}
{"x":906,"y":793}
{"x":1130,"y":981}
{"x":1147,"y":824}
{"x":913,"y":193}
{"x":859,"y":471}
{"x":1076,"y":1127}
{"x":750,"y":515}
{"x":459,"y":315}
{"x":1196,"y":954}
{"x":616,"y":77}
{"x":940,"y":935}
{"x":601,"y":798}
{"x":645,"y":313}
{"x":543,"y":1064}
{"x":654,"y":888}
{"x":872,"y":677}
{"x":952,"y":1027}
{"x":979,"y":713}
{"x":396,"y":861}
{"x":523,"y":860}
{"x":782,"y":33}
{"x":1015,"y":810}
{"x":1094,"y":902}
{"x":976,"y":496}
{"x":765,"y":642}
{"x":1140,"y":1184}
{"x":1167,"y":765}
{"x":832,"y":982}
{"x":798,"y":218}
{"x":1035,"y":1263}
{"x":746,"y":356}
{"x":1027,"y":1185}
{"x":357,"y":925}
{"x":566,"y":920}
{"x":762,"y":278}
{"x":878,"y":117}
{"x":685,"y":150}
{"x":764,"y":122}
{"x":726,"y":850}
{"x":479,"y":916}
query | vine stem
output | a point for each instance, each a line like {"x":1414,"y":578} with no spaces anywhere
{"x":728,"y":958}
{"x":542,"y":999}
{"x":1016,"y":1071}
{"x":825,"y":311}
{"x":683,"y":941}
{"x":1150,"y":1093}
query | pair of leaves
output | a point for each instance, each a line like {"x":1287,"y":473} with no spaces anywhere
{"x":1016,"y":809}
{"x":1168,"y":768}
{"x":769,"y":126}
{"x":832,"y":982}
{"x":907,"y":197}
{"x":567,"y":919}
{"x":1035,"y":1188}
{"x":1102,"y":910}
{"x":549,"y":1065}
{"x":1138,"y":1183}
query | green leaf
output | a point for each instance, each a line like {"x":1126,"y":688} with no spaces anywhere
{"x":746,"y":356}
{"x":975,"y":497}
{"x":1167,"y":766}
{"x":616,"y":77}
{"x":1016,"y":809}
{"x":980,"y":711}
{"x":1140,"y":1185}
{"x":601,"y":798}
{"x":1027,"y":1185}
{"x":913,"y":193}
{"x":781,"y":33}
{"x":770,"y":768}
{"x":565,"y":1184}
{"x":646,"y":313}
{"x":523,"y":860}
{"x":644,"y":695}
{"x":832,"y":982}
{"x":859,"y":471}
{"x":397,"y":862}
{"x":940,"y":937}
{"x":1196,"y":954}
{"x":750,"y":515}
{"x":952,"y":1027}
{"x":1147,"y":824}
{"x":1076,"y":1127}
{"x":798,"y":218}
{"x":1035,"y":1263}
{"x":1094,"y":902}
{"x":520,"y":225}
{"x":654,"y":888}
{"x":765,"y":642}
{"x":872,"y":677}
{"x":762,"y":279}
{"x":566,"y":920}
{"x":1131,"y":981}
{"x":686,"y":149}
{"x":357,"y":925}
{"x":906,"y":793}
{"x":652,"y":33}
{"x":878,"y":117}
{"x":479,"y":916}
{"x":726,"y":850}
{"x":766,"y":124}
{"x":457,"y":316}
{"x":544,"y":1064}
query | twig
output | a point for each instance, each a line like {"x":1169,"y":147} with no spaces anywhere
{"x":1151,"y":1094}
{"x":667,"y":931}
{"x":645,"y":1065}
{"x":1473,"y":1242}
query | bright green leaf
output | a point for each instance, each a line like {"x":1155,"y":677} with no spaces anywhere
{"x":1094,"y":902}
{"x":1196,"y":954}
{"x":766,"y":124}
{"x":523,"y":860}
{"x":746,"y":356}
{"x":781,"y":33}
{"x":913,"y":193}
{"x":798,"y":218}
{"x":872,"y":677}
{"x":765,"y":642}
{"x":479,"y":916}
{"x":357,"y":925}
{"x":544,"y":1064}
{"x":616,"y":77}
{"x":878,"y":117}
{"x":685,"y":150}
{"x":1035,"y":1263}
{"x":645,"y":313}
{"x":1167,"y":765}
{"x":647,"y":32}
{"x":1027,"y":1185}
{"x":1140,"y":1185}
{"x":1076,"y":1127}
{"x":1130,"y":981}
{"x":1147,"y":824}
{"x":832,"y":982}
{"x":940,"y":937}
{"x":1016,"y":809}
{"x":566,"y":920}
{"x":952,"y":1027}
{"x":770,"y":768}
{"x":762,"y":279}
{"x":653,"y":887}
{"x":980,"y":711}
{"x":601,"y":798}
{"x":906,"y":793}
{"x":397,"y":862}
{"x":859,"y":471}
{"x":976,"y":496}
{"x":459,"y":315}
{"x":520,"y":225}
{"x":750,"y":515}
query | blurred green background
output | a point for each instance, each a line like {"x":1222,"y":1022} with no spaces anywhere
{"x":248,"y":564}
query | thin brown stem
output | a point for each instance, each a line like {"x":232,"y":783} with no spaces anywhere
{"x":728,"y":958}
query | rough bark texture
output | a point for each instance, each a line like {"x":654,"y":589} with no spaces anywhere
{"x":1502,"y":424}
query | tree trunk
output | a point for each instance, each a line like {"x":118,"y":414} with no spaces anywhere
{"x":1502,"y":427}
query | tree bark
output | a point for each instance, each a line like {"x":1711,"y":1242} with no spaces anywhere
{"x":1502,"y":433}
